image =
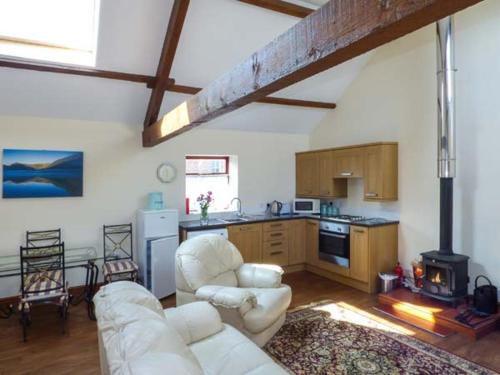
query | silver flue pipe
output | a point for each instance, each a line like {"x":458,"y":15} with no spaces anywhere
{"x":446,"y":97}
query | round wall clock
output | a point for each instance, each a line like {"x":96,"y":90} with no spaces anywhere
{"x":166,"y":172}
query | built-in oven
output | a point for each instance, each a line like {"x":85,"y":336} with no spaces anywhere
{"x":334,"y":243}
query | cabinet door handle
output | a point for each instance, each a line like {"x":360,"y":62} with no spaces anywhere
{"x":276,"y":234}
{"x":276,"y":243}
{"x":347,"y":174}
{"x":371,"y":195}
{"x":276,"y":252}
{"x":359,"y":230}
{"x":276,"y":225}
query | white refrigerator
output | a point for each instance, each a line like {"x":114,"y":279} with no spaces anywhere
{"x":158,"y":239}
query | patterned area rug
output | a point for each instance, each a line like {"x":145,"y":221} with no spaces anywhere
{"x":335,"y":338}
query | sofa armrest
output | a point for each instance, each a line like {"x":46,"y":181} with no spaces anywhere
{"x":228,"y":297}
{"x":259,"y":276}
{"x":194,"y":321}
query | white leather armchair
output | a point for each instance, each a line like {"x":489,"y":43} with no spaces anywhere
{"x":250,"y":297}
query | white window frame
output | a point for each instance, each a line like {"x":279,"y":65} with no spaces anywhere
{"x":232,"y":176}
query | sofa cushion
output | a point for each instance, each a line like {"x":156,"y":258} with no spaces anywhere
{"x":205,"y":260}
{"x":161,"y":364}
{"x":129,"y":292}
{"x":117,"y":316}
{"x":271,"y":303}
{"x":194,"y":321}
{"x":129,"y":331}
{"x":231,"y":353}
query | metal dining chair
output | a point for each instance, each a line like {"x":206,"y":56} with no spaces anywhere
{"x":118,"y":253}
{"x":43,"y":237}
{"x":43,"y":281}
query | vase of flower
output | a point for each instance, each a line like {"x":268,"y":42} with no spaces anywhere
{"x":204,"y":201}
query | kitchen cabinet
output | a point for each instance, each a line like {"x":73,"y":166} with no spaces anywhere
{"x":348,"y":162}
{"x":324,"y":173}
{"x":372,"y":250}
{"x":297,"y":242}
{"x":248,"y":239}
{"x":307,"y":174}
{"x":275,"y":242}
{"x":381,"y":177}
{"x":358,"y":265}
{"x":328,"y":186}
{"x":312,"y":241}
{"x":275,"y":252}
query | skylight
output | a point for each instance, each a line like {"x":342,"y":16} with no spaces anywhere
{"x":51,"y":30}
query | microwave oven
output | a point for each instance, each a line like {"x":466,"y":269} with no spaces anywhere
{"x":306,"y":206}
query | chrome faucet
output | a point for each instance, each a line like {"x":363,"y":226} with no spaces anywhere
{"x":239,"y":214}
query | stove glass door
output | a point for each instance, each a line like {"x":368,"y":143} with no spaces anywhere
{"x":334,"y":247}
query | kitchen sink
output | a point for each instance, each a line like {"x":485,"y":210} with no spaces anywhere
{"x":235,"y":220}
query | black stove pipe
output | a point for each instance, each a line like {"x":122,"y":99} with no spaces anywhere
{"x":446,"y":217}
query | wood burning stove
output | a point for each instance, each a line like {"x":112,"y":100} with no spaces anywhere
{"x":446,"y":276}
{"x":446,"y":273}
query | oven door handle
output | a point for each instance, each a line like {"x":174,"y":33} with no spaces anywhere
{"x":330,"y":234}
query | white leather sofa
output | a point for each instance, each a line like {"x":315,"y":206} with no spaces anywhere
{"x":137,"y":337}
{"x":249,"y":297}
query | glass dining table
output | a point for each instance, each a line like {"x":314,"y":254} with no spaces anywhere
{"x":84,"y":257}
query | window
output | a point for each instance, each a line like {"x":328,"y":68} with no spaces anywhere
{"x":52,"y":30}
{"x":218,"y":174}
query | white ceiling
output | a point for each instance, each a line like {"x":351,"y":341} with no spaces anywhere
{"x":217,"y":35}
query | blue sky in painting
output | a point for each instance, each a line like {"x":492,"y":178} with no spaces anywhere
{"x":33,"y":156}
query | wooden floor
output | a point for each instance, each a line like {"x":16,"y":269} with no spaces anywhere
{"x":49,"y":352}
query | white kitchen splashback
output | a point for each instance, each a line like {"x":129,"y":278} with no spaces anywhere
{"x":355,"y":205}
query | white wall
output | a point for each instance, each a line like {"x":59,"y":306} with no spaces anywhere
{"x":394,"y":99}
{"x":118,"y":174}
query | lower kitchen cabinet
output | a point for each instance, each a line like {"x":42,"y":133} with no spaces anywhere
{"x":359,"y":262}
{"x":372,"y":250}
{"x":248,"y":239}
{"x":275,"y":252}
{"x":296,"y":242}
{"x":312,"y":241}
{"x":275,"y":242}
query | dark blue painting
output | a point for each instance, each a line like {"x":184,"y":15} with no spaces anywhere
{"x":42,"y":174}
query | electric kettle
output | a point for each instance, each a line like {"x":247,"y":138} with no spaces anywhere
{"x":276,"y":208}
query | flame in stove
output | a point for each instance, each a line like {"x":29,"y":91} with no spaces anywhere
{"x":437,"y":279}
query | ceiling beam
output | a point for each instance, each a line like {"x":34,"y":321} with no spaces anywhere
{"x":335,"y":33}
{"x":281,"y":7}
{"x":139,"y":78}
{"x":268,"y":100}
{"x":76,"y":70}
{"x":174,"y":29}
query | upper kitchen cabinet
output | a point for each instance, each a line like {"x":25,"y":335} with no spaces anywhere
{"x":348,"y":163}
{"x":328,"y":186}
{"x":381,"y":172}
{"x":315,"y":176}
{"x":307,"y":174}
{"x":324,"y":173}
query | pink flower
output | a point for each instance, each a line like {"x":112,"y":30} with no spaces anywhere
{"x":205,"y":200}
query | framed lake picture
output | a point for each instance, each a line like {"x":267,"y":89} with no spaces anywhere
{"x":42,"y":174}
